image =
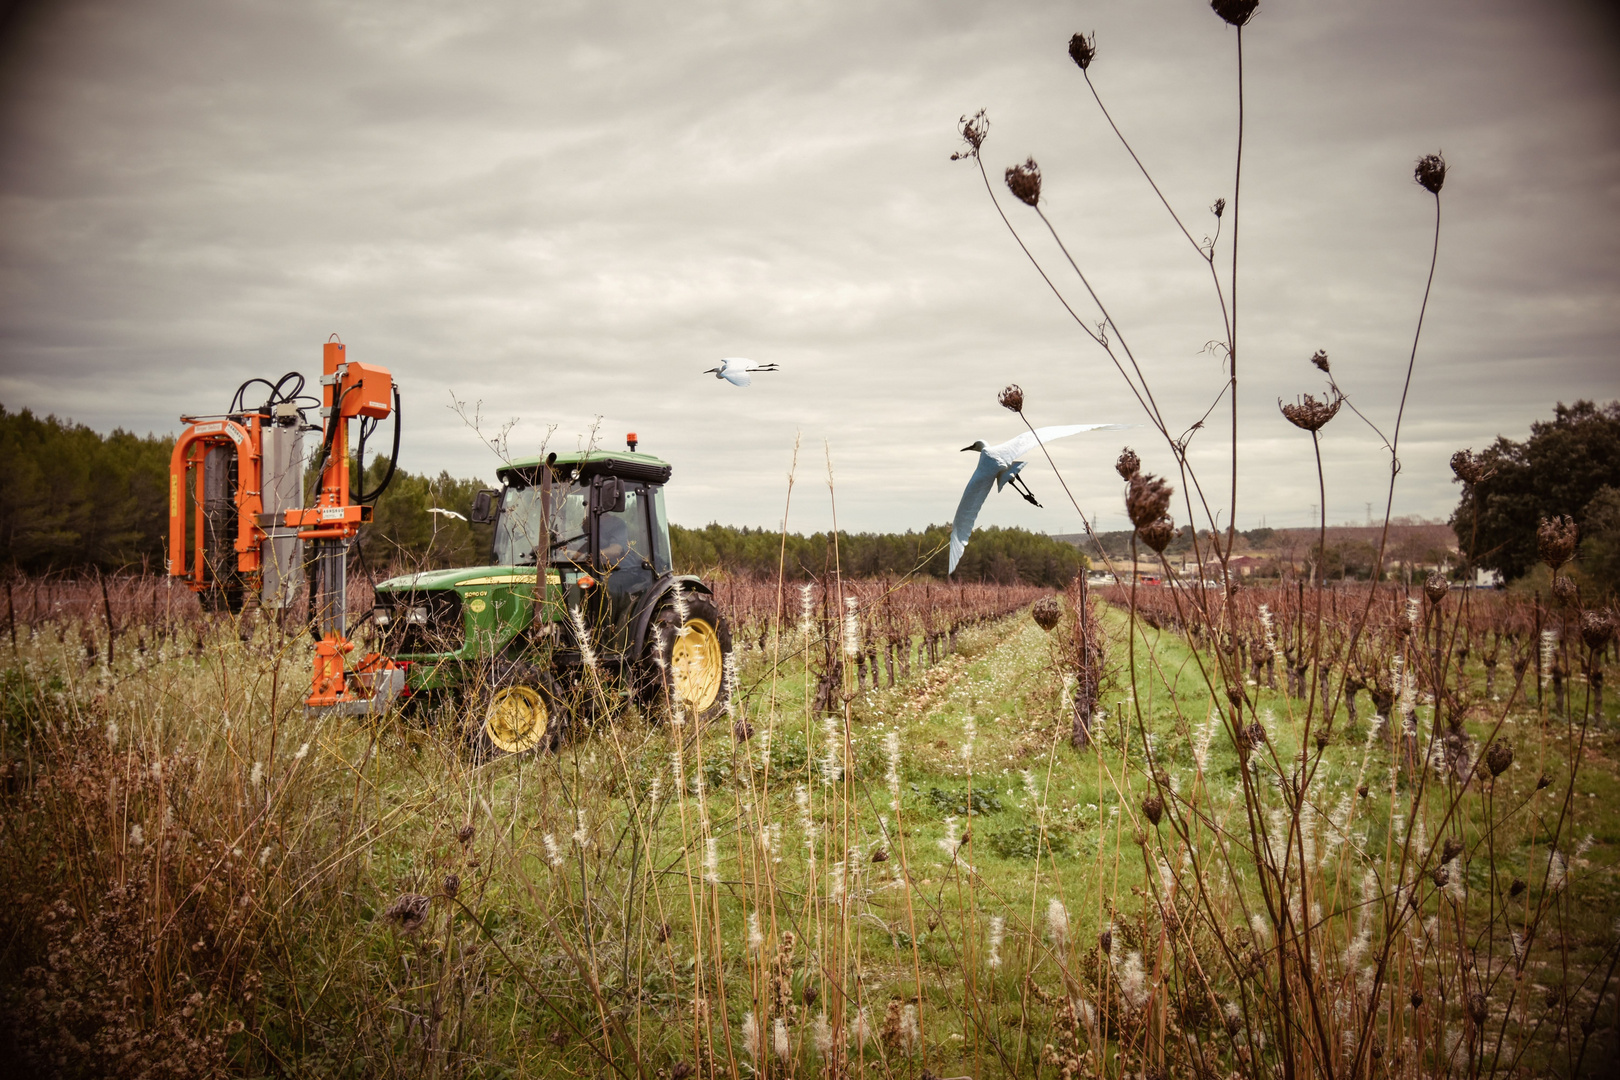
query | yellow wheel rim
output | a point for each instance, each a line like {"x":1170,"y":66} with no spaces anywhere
{"x":516,"y":719}
{"x":697,"y":665}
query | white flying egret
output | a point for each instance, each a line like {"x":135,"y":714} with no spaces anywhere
{"x":735,"y":370}
{"x":447,"y":513}
{"x":1001,"y":465}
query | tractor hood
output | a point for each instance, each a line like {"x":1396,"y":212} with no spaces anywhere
{"x":463,"y":577}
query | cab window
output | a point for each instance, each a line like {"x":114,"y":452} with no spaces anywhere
{"x":623,"y":538}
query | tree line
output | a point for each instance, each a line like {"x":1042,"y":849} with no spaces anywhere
{"x":1002,"y":556}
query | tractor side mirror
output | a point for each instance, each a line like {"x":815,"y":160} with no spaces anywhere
{"x":483,"y":507}
{"x":610,"y":495}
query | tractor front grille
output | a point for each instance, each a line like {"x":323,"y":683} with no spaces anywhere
{"x":420,"y":622}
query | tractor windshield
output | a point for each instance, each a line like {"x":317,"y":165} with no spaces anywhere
{"x":518,"y":529}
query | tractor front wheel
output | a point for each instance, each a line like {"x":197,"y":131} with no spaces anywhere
{"x":517,"y":717}
{"x":684,"y":666}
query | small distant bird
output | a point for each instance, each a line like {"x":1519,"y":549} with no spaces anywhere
{"x":447,"y":513}
{"x":736,"y":371}
{"x":1001,"y":465}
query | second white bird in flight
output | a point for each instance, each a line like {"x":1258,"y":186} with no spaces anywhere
{"x":737,"y":371}
{"x":1001,"y":465}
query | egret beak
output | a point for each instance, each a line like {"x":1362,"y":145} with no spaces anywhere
{"x":965,"y":449}
{"x":711,"y":371}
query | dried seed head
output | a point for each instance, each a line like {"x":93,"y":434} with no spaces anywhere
{"x":1542,"y":781}
{"x":1157,"y":535}
{"x":466,"y":833}
{"x":452,"y":885}
{"x":1309,"y":414}
{"x":1555,"y":540}
{"x":1469,"y":469}
{"x":1320,"y":359}
{"x":681,"y":1070}
{"x":1153,"y":809}
{"x":1047,"y":612}
{"x":1498,"y":757}
{"x":1441,"y":875}
{"x":1255,"y":733}
{"x":1476,"y":1008}
{"x":742,"y":731}
{"x":1012,"y":398}
{"x":1236,"y":12}
{"x":1566,"y":591}
{"x":1435,"y":587}
{"x":1082,"y":49}
{"x":1148,"y":499}
{"x":1105,"y":941}
{"x":1417,"y":1000}
{"x":1362,"y":790}
{"x":1516,"y":888}
{"x":974,"y":130}
{"x":408,"y":913}
{"x":1128,"y":464}
{"x":1597,"y":629}
{"x":878,"y":856}
{"x":1219,"y":207}
{"x":1453,"y":846}
{"x":810,"y":994}
{"x":1430,"y":172}
{"x":1024,"y":181}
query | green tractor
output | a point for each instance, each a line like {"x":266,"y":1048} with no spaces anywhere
{"x":612,"y":622}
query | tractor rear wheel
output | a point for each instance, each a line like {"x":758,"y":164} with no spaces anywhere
{"x":517,"y":716}
{"x":686,"y":660}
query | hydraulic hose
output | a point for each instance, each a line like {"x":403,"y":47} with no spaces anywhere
{"x":393,"y":459}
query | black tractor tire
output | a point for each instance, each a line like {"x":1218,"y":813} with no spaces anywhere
{"x":690,"y":670}
{"x":524,"y":713}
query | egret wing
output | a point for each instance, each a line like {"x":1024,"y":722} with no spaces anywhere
{"x":1021,"y":444}
{"x":967,"y":511}
{"x":737,"y":377}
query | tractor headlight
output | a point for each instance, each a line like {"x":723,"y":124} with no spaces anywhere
{"x":381,"y":616}
{"x":416,"y":616}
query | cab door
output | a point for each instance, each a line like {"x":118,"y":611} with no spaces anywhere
{"x":623,"y":557}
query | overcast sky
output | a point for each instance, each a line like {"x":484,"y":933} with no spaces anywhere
{"x":569,"y":210}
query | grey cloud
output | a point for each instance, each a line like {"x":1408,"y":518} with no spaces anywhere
{"x":567,"y":211}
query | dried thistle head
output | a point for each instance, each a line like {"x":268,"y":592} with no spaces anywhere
{"x":1308,"y":414}
{"x":1153,"y":809}
{"x":1468,"y":468}
{"x":1499,"y":757}
{"x":408,"y":913}
{"x":1082,"y":49}
{"x":1128,"y":464}
{"x":1435,"y":587}
{"x":1430,"y":173}
{"x":1147,"y":499}
{"x":974,"y":130}
{"x":452,"y":885}
{"x":466,"y":833}
{"x":1048,"y":612}
{"x":1320,"y":359}
{"x":1219,"y":207}
{"x":1453,"y":846}
{"x":1105,"y":941}
{"x":1158,"y":534}
{"x":1555,"y":540}
{"x":1597,"y":629}
{"x":1011,"y":398}
{"x":742,"y":730}
{"x":1024,"y":181}
{"x":1236,"y":12}
{"x":1566,"y":591}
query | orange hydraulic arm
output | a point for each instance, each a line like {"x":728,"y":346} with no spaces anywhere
{"x":349,"y":390}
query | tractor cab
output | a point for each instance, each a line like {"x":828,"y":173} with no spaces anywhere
{"x":596,"y":522}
